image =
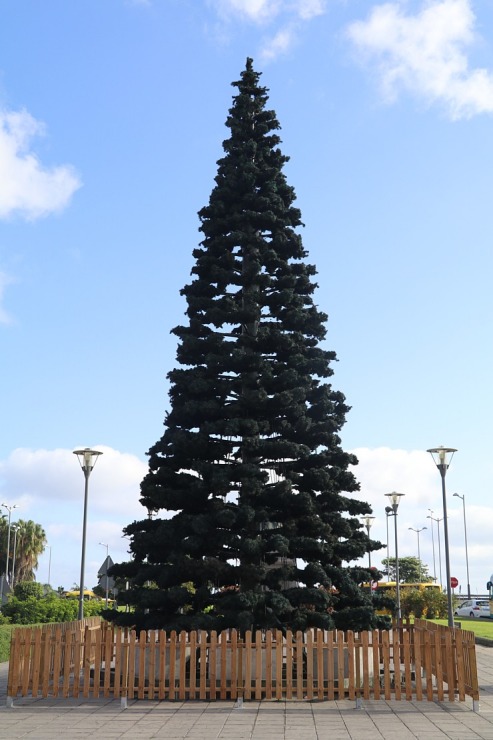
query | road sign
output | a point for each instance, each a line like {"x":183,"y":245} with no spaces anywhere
{"x":454,"y":582}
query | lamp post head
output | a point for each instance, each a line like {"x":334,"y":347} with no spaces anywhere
{"x":368,"y":521}
{"x":394,"y":499}
{"x":442,"y":457}
{"x":87,"y":458}
{"x":461,"y":497}
{"x":9,"y":508}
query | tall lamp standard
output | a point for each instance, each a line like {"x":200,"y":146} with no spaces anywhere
{"x":15,"y":528}
{"x":433,"y":545}
{"x":7,"y":554}
{"x":438,"y":520}
{"x":103,"y":544}
{"x":49,"y":567}
{"x":87,"y":459}
{"x":388,"y":512}
{"x":368,"y":522}
{"x":394,"y":499}
{"x":442,"y":457}
{"x":419,"y":555}
{"x":465,"y":541}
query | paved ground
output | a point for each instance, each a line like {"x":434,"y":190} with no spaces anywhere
{"x":339,"y":720}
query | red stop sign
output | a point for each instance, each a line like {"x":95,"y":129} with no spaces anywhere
{"x":454,"y":582}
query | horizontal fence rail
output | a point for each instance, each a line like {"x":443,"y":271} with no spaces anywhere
{"x":94,"y":659}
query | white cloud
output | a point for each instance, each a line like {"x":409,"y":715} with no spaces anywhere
{"x":425,"y":54}
{"x":290,"y":15}
{"x":383,"y":470}
{"x":257,"y":11}
{"x":47,"y":486}
{"x":26,"y":187}
{"x":279,"y":44}
{"x":49,"y":477}
{"x":4,"y":281}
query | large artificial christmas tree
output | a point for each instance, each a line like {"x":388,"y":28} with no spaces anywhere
{"x":259,"y":523}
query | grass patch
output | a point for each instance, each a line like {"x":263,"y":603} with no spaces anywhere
{"x":480,"y":627}
{"x":5,"y":634}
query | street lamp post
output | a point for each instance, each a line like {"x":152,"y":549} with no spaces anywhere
{"x":419,"y":555}
{"x":87,"y":459}
{"x":438,"y":520}
{"x":442,"y":457}
{"x":394,"y":499}
{"x":368,"y":522}
{"x":49,"y":567}
{"x":388,"y":512}
{"x":433,"y":545}
{"x":14,"y":529}
{"x":7,"y":554}
{"x":465,"y":541}
{"x":103,"y":544}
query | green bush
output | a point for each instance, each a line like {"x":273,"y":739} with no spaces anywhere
{"x":49,"y":609}
{"x":26,"y":589}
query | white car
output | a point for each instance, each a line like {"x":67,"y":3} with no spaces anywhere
{"x":473,"y":608}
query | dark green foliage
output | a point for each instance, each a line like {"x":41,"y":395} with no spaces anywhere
{"x":27,"y":589}
{"x":411,"y":570}
{"x":254,"y":486}
{"x":33,"y":610}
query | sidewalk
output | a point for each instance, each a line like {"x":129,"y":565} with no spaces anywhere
{"x":339,"y":720}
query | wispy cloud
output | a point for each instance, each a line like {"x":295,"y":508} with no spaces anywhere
{"x":27,"y":188}
{"x":4,"y":281}
{"x":425,"y":53}
{"x":282,"y":19}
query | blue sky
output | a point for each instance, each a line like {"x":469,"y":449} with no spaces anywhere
{"x":111,"y":121}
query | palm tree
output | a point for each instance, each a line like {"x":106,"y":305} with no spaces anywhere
{"x":31,"y":542}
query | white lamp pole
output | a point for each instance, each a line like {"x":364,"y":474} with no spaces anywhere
{"x":465,"y":541}
{"x":419,"y":555}
{"x":14,"y":529}
{"x":442,"y":457}
{"x":368,"y":522}
{"x":87,"y":459}
{"x":7,"y":554}
{"x":394,"y":499}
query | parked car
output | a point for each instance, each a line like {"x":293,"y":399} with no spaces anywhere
{"x":473,"y":608}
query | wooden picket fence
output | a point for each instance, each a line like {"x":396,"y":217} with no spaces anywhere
{"x":95,"y":659}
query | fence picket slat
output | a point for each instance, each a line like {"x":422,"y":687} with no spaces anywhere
{"x":309,"y":665}
{"x":269,"y":648}
{"x":289,"y":664}
{"x":24,"y":657}
{"x":203,"y":664}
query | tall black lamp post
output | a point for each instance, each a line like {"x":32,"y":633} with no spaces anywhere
{"x":394,"y":499}
{"x":87,"y":459}
{"x":442,"y":457}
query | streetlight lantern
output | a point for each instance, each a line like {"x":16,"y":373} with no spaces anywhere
{"x":391,"y":510}
{"x":87,"y":459}
{"x":442,"y":457}
{"x":419,"y":555}
{"x":7,"y":554}
{"x":368,"y":522}
{"x":463,"y":498}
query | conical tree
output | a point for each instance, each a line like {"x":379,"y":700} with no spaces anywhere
{"x":259,"y":517}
